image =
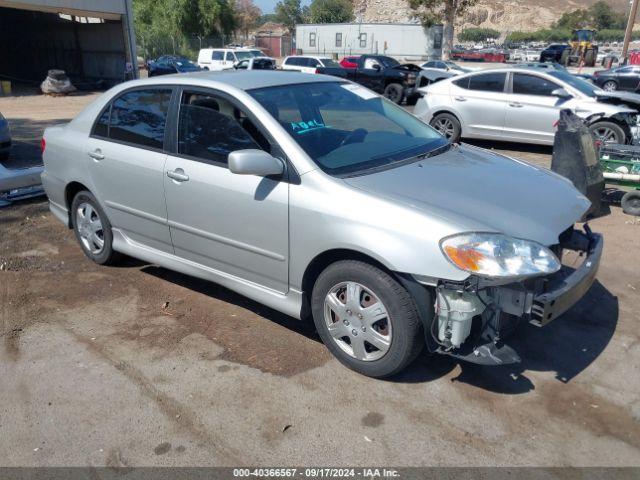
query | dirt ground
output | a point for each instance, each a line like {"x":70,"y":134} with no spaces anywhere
{"x":135,"y":365}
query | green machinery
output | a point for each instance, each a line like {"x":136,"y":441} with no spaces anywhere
{"x":620,"y":166}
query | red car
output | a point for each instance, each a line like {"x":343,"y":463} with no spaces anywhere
{"x":349,"y":62}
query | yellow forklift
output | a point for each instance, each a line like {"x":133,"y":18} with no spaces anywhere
{"x":583,"y":51}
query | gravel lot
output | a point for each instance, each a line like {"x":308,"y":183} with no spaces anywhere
{"x":136,"y":365}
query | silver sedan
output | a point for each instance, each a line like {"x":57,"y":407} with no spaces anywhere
{"x":322,"y":200}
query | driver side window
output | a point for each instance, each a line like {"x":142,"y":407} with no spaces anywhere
{"x":533,"y":85}
{"x":210,"y":128}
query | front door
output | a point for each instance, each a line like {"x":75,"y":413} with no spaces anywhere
{"x":127,"y":162}
{"x":532,"y":112}
{"x":235,"y":224}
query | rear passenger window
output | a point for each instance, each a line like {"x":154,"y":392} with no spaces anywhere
{"x":488,"y":82}
{"x":139,"y":117}
{"x":101,"y":127}
{"x":532,"y":85}
{"x":211,"y":127}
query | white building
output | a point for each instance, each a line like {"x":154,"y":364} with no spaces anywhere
{"x":93,"y":40}
{"x":410,"y":41}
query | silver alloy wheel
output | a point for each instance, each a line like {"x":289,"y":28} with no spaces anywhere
{"x":358,"y":321}
{"x":90,"y":228}
{"x":445,"y":127}
{"x":610,"y":86}
{"x":605,"y":135}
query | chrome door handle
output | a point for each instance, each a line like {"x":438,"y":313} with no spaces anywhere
{"x":178,"y":175}
{"x":460,"y":99}
{"x":515,"y":105}
{"x":96,"y":154}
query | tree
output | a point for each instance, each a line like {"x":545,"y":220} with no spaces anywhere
{"x":331,"y":11}
{"x":289,"y":13}
{"x":247,"y":16}
{"x":478,"y":34}
{"x":603,"y":17}
{"x":574,"y":19}
{"x":431,"y":12}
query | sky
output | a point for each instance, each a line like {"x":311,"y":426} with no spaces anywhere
{"x":267,"y":6}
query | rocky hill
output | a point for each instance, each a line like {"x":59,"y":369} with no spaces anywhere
{"x":502,"y":15}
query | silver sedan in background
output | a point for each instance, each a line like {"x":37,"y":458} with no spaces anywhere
{"x":320,"y":199}
{"x":522,"y":105}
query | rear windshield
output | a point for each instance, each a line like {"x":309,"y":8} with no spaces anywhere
{"x":347,"y":129}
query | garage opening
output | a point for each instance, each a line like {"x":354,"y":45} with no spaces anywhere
{"x":94,"y":51}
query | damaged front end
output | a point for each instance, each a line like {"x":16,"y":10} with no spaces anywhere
{"x":472,"y":318}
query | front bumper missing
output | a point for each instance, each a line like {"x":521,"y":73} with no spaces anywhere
{"x":538,"y":300}
{"x":564,"y":294}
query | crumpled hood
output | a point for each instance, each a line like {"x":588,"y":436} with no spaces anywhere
{"x":477,"y":189}
{"x":627,"y":98}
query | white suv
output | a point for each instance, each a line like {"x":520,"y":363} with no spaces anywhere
{"x":306,"y":64}
{"x":216,"y":59}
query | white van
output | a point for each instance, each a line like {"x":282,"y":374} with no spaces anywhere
{"x":216,"y":59}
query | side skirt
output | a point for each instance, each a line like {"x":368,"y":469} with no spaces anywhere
{"x":289,"y":303}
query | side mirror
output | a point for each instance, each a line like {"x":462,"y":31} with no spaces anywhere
{"x":561,"y":93}
{"x":376,"y":66}
{"x":254,"y":162}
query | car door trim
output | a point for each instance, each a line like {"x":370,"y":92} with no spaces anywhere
{"x":136,"y":212}
{"x":227,"y":241}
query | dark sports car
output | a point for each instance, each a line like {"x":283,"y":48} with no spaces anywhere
{"x":620,"y":78}
{"x":168,"y":64}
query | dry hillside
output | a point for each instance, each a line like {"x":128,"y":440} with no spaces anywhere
{"x":502,"y":15}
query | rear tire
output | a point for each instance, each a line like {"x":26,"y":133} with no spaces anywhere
{"x":448,"y":125}
{"x":590,"y":58}
{"x":92,"y":229}
{"x":394,"y":92}
{"x":631,"y":203}
{"x":340,"y":297}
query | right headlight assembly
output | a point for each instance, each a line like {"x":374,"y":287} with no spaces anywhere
{"x":498,"y":256}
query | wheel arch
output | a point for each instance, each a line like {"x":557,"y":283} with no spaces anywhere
{"x":70,"y":191}
{"x":321,"y":261}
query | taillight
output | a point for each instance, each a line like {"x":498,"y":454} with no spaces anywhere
{"x":43,"y":145}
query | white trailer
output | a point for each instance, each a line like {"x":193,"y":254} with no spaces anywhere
{"x":408,"y":41}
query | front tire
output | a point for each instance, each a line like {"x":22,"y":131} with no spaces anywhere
{"x":367,"y":320}
{"x":92,"y":228}
{"x":394,"y":92}
{"x":607,"y":132}
{"x":610,"y":86}
{"x":631,"y":203}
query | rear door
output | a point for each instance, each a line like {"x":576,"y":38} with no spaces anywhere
{"x":629,"y":77}
{"x":531,"y":110}
{"x":126,"y":164}
{"x":481,"y":101}
{"x":237,"y":225}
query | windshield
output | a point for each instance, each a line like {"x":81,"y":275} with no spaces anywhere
{"x":579,"y":84}
{"x":256,"y":53}
{"x":185,"y":64}
{"x":330,"y":63}
{"x":345,"y":128}
{"x":388,"y":62}
{"x":243,"y":55}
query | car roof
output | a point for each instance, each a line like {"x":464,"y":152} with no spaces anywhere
{"x":242,"y":80}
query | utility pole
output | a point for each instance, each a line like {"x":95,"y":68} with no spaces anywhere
{"x":630,"y":23}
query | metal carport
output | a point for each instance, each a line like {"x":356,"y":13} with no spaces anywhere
{"x":93,"y":40}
